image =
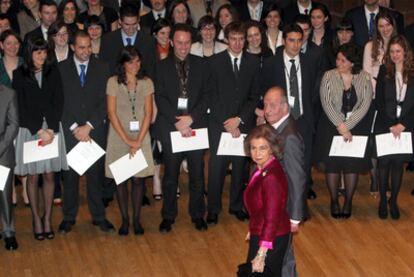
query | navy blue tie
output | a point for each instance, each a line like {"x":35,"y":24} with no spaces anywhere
{"x":82,"y":75}
{"x":371,"y":24}
{"x":129,"y":41}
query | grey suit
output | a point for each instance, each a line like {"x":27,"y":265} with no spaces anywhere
{"x":293,"y":160}
{"x":9,"y":126}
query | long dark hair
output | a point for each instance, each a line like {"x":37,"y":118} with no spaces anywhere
{"x":173,"y":5}
{"x":53,"y":30}
{"x":127,"y":54}
{"x":264,"y":47}
{"x":36,"y":44}
{"x":408,"y":64}
{"x":378,"y":40}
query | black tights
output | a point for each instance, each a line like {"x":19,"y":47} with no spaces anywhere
{"x":137,"y":193}
{"x":48,"y":189}
{"x":350,"y":180}
{"x":386,"y":168}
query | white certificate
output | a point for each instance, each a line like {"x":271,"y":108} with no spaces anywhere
{"x":388,"y":145}
{"x":126,"y":166}
{"x":33,"y":151}
{"x":230,"y":146}
{"x":354,"y":149}
{"x":197,"y":141}
{"x":84,"y":155}
{"x":4,"y":174}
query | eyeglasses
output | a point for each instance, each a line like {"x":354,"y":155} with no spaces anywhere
{"x":61,"y":35}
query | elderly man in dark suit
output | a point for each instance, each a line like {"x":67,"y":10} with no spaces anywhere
{"x":84,"y":87}
{"x":9,"y":126}
{"x":182,"y":90}
{"x":235,"y":96}
{"x":128,"y":34}
{"x":276,"y":113}
{"x":294,"y":72}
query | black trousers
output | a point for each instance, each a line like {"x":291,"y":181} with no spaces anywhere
{"x":274,"y":257}
{"x":172,"y":162}
{"x":94,"y":183}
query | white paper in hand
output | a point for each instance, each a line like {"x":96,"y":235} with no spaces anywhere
{"x":84,"y":155}
{"x":33,"y":151}
{"x":198,"y":140}
{"x":126,"y":166}
{"x":4,"y":174}
{"x":387,"y":144}
{"x":353,"y":149}
{"x":230,"y":146}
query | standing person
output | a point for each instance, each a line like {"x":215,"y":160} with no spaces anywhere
{"x":291,"y":147}
{"x":9,"y":126}
{"x":346,"y":95}
{"x":68,"y":11}
{"x":395,"y":104}
{"x":235,"y":80}
{"x":296,"y":8}
{"x":39,"y":92}
{"x":158,"y":11}
{"x":200,"y":8}
{"x":59,"y":41}
{"x":266,"y":198}
{"x":182,"y":76}
{"x":321,"y":26}
{"x":128,"y":34}
{"x":29,"y":17}
{"x":179,"y":13}
{"x":224,"y":16}
{"x":84,"y":81}
{"x":344,"y":33}
{"x":129,"y":88}
{"x":293,"y":71}
{"x":271,"y":21}
{"x":161,"y":31}
{"x":108,"y":15}
{"x":256,"y":41}
{"x":94,"y":28}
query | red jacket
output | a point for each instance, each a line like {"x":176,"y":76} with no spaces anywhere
{"x":265,"y":199}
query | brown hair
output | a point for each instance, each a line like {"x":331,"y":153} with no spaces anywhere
{"x":408,"y":64}
{"x":266,"y":132}
{"x":378,"y":40}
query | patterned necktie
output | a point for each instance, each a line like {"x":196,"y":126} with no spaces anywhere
{"x":82,"y":75}
{"x":371,"y":24}
{"x":294,"y":90}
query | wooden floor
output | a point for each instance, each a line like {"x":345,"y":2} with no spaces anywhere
{"x":360,"y":246}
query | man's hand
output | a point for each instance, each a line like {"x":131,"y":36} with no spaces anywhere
{"x":294,"y":227}
{"x":81,"y":133}
{"x":397,"y":129}
{"x":183,"y":122}
{"x":231,"y":124}
{"x":235,"y":133}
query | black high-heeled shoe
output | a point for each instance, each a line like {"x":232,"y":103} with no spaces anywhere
{"x":124,"y":229}
{"x":383,"y":210}
{"x":48,"y":235}
{"x":394,"y":211}
{"x":335,"y":213}
{"x":347,"y":212}
{"x":138,"y":230}
{"x":38,"y":236}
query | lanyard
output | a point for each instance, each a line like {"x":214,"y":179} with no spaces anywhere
{"x":132,"y":102}
{"x":400,"y":89}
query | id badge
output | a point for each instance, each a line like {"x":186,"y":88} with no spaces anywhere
{"x":348,"y":115}
{"x":134,"y":126}
{"x":398,"y":111}
{"x":291,"y":100}
{"x":182,"y":103}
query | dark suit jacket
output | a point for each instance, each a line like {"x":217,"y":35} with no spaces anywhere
{"x":86,"y":103}
{"x":36,"y":103}
{"x":146,"y":21}
{"x":9,"y":126}
{"x":293,"y":162}
{"x":167,"y":91}
{"x":36,"y":33}
{"x":265,"y":199}
{"x":112,"y":44}
{"x":359,"y":21}
{"x":244,"y":14}
{"x":233,"y":97}
{"x":409,"y":34}
{"x":292,"y":10}
{"x":273,"y":74}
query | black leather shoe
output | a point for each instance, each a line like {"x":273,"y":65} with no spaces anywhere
{"x":383,"y":210}
{"x":212,"y":218}
{"x":240,"y":215}
{"x":124,"y":229}
{"x":200,"y":224}
{"x":66,"y":226}
{"x":104,"y":225}
{"x":11,"y":243}
{"x":311,"y":194}
{"x":165,"y":225}
{"x":394,"y":211}
{"x":138,"y":230}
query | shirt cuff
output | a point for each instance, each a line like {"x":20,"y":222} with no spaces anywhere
{"x":90,"y":124}
{"x":266,"y":244}
{"x":294,"y":221}
{"x":73,"y":126}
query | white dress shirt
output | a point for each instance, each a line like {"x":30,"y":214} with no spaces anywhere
{"x":288,"y":65}
{"x":368,"y":14}
{"x":255,"y":12}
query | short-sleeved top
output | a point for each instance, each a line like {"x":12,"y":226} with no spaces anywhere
{"x":116,"y":148}
{"x":107,"y":16}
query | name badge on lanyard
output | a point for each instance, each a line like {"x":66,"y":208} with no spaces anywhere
{"x":399,"y":110}
{"x":182,"y":103}
{"x":134,"y":126}
{"x":291,"y":100}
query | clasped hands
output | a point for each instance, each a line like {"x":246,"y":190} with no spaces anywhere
{"x":46,"y":136}
{"x":183,"y":125}
{"x":343,"y":131}
{"x":81,"y":133}
{"x":397,"y":129}
{"x":135,"y":145}
{"x":231,"y":125}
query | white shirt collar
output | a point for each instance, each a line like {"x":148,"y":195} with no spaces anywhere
{"x":256,"y":10}
{"x":77,"y":63}
{"x":287,"y":59}
{"x":368,"y":12}
{"x":302,"y":9}
{"x":233,"y":57}
{"x":155,"y":14}
{"x":277,"y":124}
{"x":44,"y":31}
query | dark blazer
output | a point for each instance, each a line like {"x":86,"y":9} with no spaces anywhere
{"x":54,"y":57}
{"x":112,"y":44}
{"x":36,"y":103}
{"x":386,"y":104}
{"x":9,"y":125}
{"x":36,"y":33}
{"x":167,"y":90}
{"x":265,"y":199}
{"x":409,"y":34}
{"x":292,"y":10}
{"x":146,"y":21}
{"x":293,"y":162}
{"x":233,"y":97}
{"x":86,"y":103}
{"x":273,"y":74}
{"x":361,"y":28}
{"x":244,"y":14}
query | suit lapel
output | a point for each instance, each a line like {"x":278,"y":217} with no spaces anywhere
{"x":409,"y":99}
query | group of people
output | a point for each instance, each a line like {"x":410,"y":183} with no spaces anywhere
{"x":73,"y":73}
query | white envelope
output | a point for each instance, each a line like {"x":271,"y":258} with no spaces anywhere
{"x":4,"y":174}
{"x":198,"y":141}
{"x":84,"y":155}
{"x":230,"y":146}
{"x":354,"y":149}
{"x":388,"y":145}
{"x":33,"y":152}
{"x":126,"y":166}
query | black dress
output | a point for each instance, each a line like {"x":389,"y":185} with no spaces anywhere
{"x":327,"y":130}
